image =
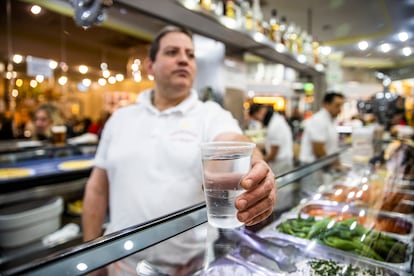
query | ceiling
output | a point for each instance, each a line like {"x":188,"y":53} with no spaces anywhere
{"x":343,"y":23}
{"x":337,"y":23}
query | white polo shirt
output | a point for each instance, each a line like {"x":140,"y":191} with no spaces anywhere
{"x":320,"y":128}
{"x":279,"y":134}
{"x":153,"y":159}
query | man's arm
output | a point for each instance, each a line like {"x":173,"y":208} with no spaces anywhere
{"x":271,"y":155}
{"x":95,"y":204}
{"x":319,"y":149}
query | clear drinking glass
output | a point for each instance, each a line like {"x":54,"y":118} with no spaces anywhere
{"x":224,"y":166}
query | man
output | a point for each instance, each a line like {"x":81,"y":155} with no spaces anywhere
{"x":148,"y":162}
{"x":320,"y":138}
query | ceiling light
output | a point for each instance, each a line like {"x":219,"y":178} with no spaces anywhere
{"x":17,"y":59}
{"x":106,"y":73}
{"x":104,"y":66}
{"x":112,"y":80}
{"x":83,"y":69}
{"x":40,"y":78}
{"x":19,"y":82}
{"x":33,"y":83}
{"x":53,"y":64}
{"x":86,"y":82}
{"x":403,"y":36}
{"x":36,"y":9}
{"x":363,"y":45}
{"x":385,"y":47}
{"x":102,"y":81}
{"x":15,"y":93}
{"x":63,"y":80}
{"x":119,"y":77}
{"x":406,"y":51}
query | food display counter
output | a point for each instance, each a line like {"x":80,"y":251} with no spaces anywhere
{"x":343,"y":229}
{"x":40,"y":189}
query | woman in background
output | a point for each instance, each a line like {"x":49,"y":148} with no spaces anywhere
{"x":46,"y":116}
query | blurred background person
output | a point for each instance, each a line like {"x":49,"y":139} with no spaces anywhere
{"x":278,"y":150}
{"x":320,"y":139}
{"x":46,"y":116}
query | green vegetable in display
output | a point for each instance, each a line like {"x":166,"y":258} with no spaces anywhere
{"x":349,"y":236}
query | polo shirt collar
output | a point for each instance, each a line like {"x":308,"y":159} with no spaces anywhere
{"x":145,"y":99}
{"x":327,"y":115}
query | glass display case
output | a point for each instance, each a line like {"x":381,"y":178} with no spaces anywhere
{"x":347,"y":225}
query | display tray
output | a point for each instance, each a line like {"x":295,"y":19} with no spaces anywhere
{"x":278,"y":255}
{"x":377,"y":249}
{"x":392,"y":223}
{"x":395,"y":199}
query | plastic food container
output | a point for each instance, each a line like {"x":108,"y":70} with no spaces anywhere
{"x":25,"y":222}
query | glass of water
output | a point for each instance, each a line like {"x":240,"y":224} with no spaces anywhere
{"x":224,"y":166}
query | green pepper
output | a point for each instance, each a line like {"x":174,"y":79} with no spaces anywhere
{"x":318,"y":227}
{"x":340,"y":243}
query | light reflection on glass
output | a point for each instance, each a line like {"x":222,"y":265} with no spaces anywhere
{"x":128,"y":245}
{"x":330,"y":224}
{"x":338,"y":192}
{"x":317,"y":196}
{"x":345,"y":208}
{"x":359,"y":194}
{"x":353,"y":225}
{"x":362,"y":213}
{"x":351,"y":194}
{"x":311,"y":245}
{"x":81,"y":267}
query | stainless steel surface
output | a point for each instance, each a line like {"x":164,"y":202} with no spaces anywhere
{"x":271,"y":233}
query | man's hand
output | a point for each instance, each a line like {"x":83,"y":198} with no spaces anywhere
{"x":258,"y":202}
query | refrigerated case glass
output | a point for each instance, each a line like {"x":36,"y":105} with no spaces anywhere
{"x":341,"y":227}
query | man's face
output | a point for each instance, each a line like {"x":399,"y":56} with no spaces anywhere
{"x":335,"y":107}
{"x":174,"y":65}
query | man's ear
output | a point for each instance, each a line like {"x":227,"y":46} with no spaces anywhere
{"x":148,"y":66}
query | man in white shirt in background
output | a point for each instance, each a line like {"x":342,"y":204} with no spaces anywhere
{"x":320,"y":137}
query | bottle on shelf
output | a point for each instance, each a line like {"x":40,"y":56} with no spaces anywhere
{"x":307,"y":47}
{"x":205,"y":4}
{"x":257,"y":16}
{"x":281,"y":38}
{"x":230,"y":9}
{"x":247,"y":15}
{"x":273,"y":26}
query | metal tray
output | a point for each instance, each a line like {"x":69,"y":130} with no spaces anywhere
{"x":394,"y":224}
{"x":271,"y":233}
{"x":391,"y":200}
{"x":283,"y":256}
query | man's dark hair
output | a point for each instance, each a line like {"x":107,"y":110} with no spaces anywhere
{"x":330,"y":96}
{"x":254,"y":108}
{"x":155,"y":44}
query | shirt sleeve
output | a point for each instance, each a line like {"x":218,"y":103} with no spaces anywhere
{"x":275,"y":132}
{"x":219,"y":120}
{"x":104,"y":144}
{"x":317,"y":131}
